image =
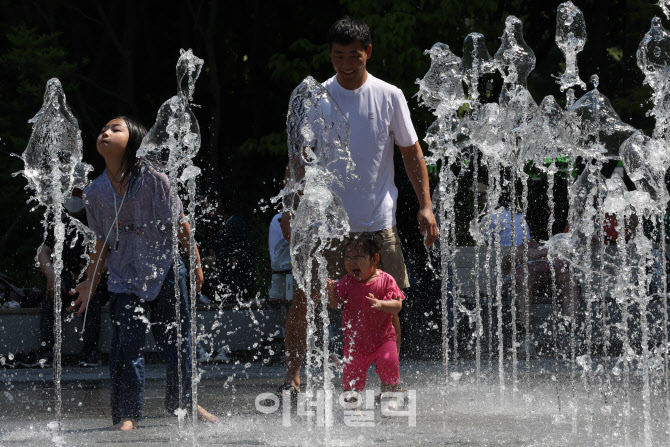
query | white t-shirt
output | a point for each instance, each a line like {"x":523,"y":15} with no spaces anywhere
{"x":274,"y":235}
{"x":280,"y":253}
{"x":378,"y":117}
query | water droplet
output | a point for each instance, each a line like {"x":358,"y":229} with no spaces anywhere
{"x":595,"y":80}
{"x":569,"y":98}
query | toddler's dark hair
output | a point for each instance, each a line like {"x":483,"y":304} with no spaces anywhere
{"x":366,"y":242}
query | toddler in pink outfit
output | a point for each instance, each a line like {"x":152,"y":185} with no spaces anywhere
{"x":370,"y":298}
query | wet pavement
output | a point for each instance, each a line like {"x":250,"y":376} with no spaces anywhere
{"x":545,"y":410}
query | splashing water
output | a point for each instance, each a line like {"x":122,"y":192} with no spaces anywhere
{"x":646,"y":162}
{"x":170,"y":146}
{"x":53,"y":168}
{"x":476,"y":62}
{"x":174,"y":139}
{"x":318,"y":142}
{"x":570,"y":38}
{"x":514,"y":59}
{"x":601,"y":288}
{"x":593,"y":127}
{"x":653,"y":58}
{"x":52,"y":158}
{"x":541,"y":138}
{"x":442,"y":86}
{"x":665,"y":6}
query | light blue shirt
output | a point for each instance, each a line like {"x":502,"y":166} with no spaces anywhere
{"x":140,"y":261}
{"x":505,"y":234}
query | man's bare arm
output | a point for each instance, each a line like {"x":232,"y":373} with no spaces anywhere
{"x":415,"y":166}
{"x":285,"y":222}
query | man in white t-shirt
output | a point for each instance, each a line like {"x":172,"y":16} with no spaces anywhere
{"x":379,"y":120}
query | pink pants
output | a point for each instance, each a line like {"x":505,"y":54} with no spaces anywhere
{"x":356,"y":366}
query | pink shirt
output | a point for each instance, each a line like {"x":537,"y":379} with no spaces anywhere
{"x":365,"y":328}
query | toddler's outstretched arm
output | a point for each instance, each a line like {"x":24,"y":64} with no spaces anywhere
{"x":389,"y":306}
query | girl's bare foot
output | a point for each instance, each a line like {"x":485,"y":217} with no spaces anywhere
{"x":125,"y":425}
{"x":206,"y":415}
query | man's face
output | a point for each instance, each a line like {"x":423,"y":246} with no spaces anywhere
{"x":349,"y":63}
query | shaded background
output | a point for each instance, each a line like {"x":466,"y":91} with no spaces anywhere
{"x":119,"y":58}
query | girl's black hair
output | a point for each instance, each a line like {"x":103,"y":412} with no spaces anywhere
{"x":366,"y":242}
{"x":136,"y":133}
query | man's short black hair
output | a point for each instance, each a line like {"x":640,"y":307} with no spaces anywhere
{"x":347,"y":30}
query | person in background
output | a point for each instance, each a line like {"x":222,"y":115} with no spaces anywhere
{"x":233,"y":265}
{"x":233,"y":252}
{"x":281,"y":285}
{"x":74,"y":265}
{"x":508,"y":230}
